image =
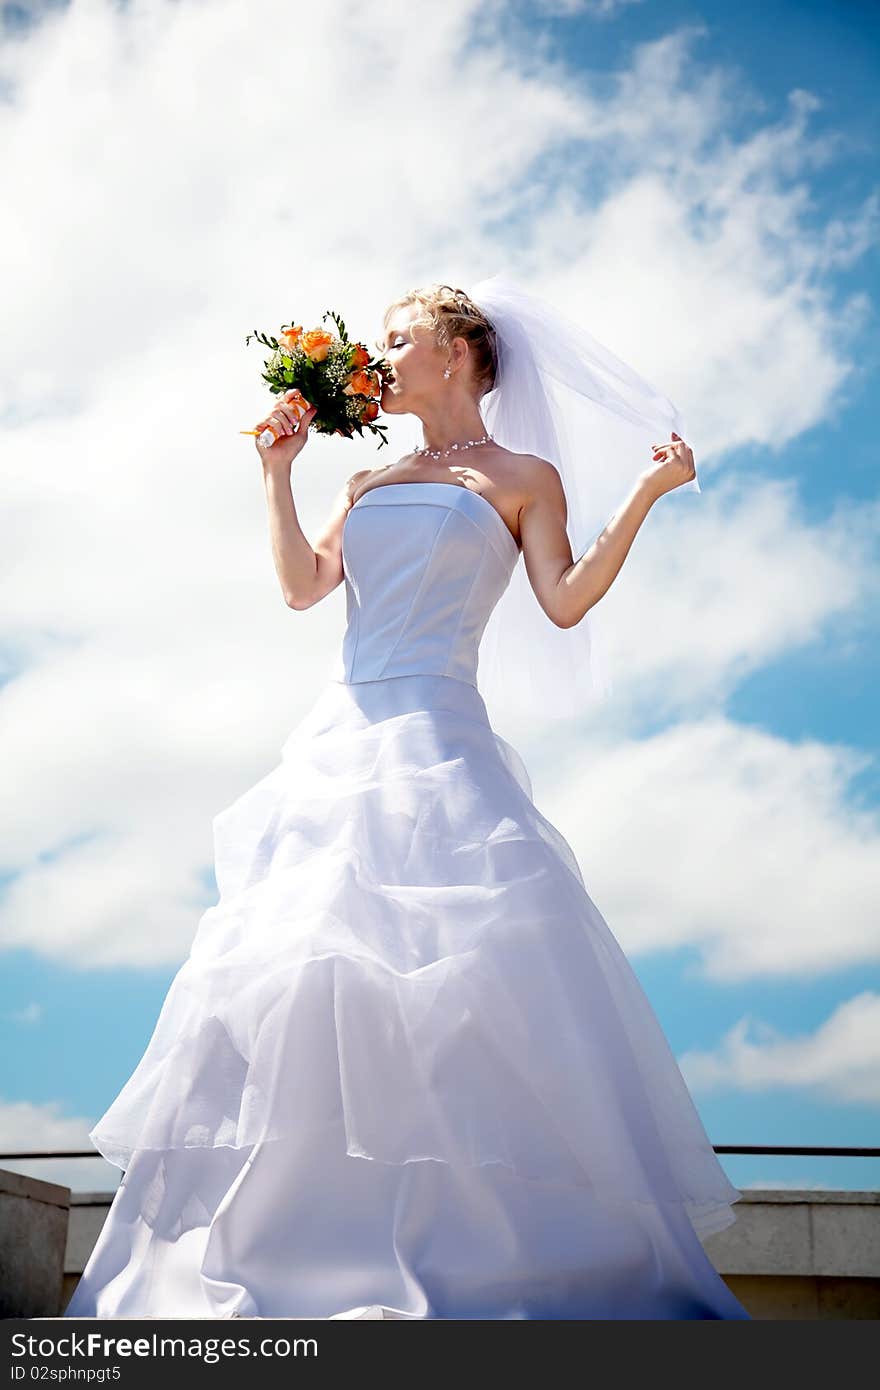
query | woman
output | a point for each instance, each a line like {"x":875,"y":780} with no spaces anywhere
{"x":406,"y":1070}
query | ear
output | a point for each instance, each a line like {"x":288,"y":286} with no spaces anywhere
{"x":460,"y":350}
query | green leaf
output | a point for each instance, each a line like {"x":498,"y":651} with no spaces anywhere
{"x":343,"y":331}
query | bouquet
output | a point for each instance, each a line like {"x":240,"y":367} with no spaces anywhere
{"x":335,"y":375}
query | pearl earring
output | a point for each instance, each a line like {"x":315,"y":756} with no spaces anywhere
{"x":447,"y":373}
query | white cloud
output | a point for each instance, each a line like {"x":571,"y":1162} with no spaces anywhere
{"x":697,"y":264}
{"x":719,"y":585}
{"x":188,"y":173}
{"x":26,"y":1127}
{"x":30,"y":1014}
{"x":840,"y":1061}
{"x":728,"y":840}
{"x":595,"y":9}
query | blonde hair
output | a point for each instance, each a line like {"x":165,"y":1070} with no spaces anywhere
{"x":450,"y":313}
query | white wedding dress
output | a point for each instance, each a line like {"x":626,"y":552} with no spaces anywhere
{"x":406,"y":1070}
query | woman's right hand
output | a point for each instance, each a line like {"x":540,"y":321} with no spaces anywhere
{"x":287,"y":414}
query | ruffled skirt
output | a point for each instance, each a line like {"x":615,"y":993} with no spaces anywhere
{"x":406,"y":1069}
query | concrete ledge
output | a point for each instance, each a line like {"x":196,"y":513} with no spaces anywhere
{"x":776,"y":1298}
{"x":33,"y":1239}
{"x":88,"y":1212}
{"x":802,"y":1232}
{"x":790,"y":1254}
{"x":802,"y":1253}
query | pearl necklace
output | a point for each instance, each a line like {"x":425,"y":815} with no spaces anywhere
{"x":466,"y":444}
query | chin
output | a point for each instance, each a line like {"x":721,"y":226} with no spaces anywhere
{"x":388,"y":402}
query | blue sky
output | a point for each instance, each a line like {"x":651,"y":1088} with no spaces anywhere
{"x":149,"y":674}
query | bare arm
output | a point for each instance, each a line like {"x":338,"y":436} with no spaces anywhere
{"x":305,"y":572}
{"x":567,"y":588}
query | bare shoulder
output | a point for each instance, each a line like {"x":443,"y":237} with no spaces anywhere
{"x":544,"y":481}
{"x":535,"y":481}
{"x":352,"y":486}
{"x":356,"y":479}
{"x":342,"y":504}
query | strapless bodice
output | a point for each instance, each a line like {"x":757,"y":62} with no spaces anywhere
{"x":424,"y":565}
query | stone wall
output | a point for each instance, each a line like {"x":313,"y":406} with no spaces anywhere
{"x":805,"y":1254}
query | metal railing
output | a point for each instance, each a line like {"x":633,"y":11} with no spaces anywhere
{"x":789,"y":1150}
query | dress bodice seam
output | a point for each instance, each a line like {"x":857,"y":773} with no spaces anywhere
{"x":465,"y":608}
{"x":459,"y":487}
{"x":416,"y":592}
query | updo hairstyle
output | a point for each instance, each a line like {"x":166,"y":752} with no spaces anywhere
{"x":451,"y":314}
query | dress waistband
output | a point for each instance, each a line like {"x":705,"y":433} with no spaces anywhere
{"x":369,"y":702}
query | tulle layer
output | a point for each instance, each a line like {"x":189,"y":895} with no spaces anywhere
{"x":403,"y":948}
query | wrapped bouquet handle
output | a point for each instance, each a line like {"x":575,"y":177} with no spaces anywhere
{"x":271,"y":432}
{"x":267,"y":438}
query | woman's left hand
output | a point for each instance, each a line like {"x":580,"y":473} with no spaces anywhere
{"x":673,"y":465}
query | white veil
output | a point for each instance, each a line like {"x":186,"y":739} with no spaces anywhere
{"x":561,"y":395}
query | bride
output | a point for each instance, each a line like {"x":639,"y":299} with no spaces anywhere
{"x":406,"y":1070}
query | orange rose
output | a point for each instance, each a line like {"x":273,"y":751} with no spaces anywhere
{"x":362,"y":384}
{"x":371,"y":410}
{"x":359,"y":357}
{"x":316,"y":343}
{"x":290,"y":337}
